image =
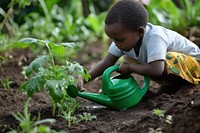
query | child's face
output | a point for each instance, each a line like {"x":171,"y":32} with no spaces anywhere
{"x":125,"y":39}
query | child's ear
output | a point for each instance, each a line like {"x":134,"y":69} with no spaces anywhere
{"x":140,"y":31}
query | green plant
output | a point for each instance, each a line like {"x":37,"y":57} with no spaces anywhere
{"x":86,"y":117}
{"x":8,"y":23}
{"x":96,"y":24}
{"x":44,"y":75}
{"x":190,"y":12}
{"x":68,"y":105}
{"x":5,"y":83}
{"x":166,"y":13}
{"x":2,"y":61}
{"x":72,"y":119}
{"x":68,"y":111}
{"x":34,"y":125}
{"x":158,"y":112}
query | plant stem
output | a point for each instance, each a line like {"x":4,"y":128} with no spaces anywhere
{"x":44,"y":8}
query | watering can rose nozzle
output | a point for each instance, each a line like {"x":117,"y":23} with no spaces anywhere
{"x":72,"y":91}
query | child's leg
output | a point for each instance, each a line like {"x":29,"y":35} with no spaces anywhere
{"x":180,"y":69}
{"x":183,"y":66}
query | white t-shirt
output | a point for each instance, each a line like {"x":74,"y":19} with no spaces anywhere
{"x":157,"y":41}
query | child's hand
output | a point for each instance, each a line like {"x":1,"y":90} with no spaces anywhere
{"x":124,"y":68}
{"x":80,"y":84}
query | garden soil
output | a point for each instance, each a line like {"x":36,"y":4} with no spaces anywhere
{"x":183,"y":105}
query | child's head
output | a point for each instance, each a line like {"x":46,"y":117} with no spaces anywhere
{"x":125,"y":23}
{"x":129,"y":13}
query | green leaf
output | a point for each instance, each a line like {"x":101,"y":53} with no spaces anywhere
{"x":50,"y":3}
{"x":48,"y":120}
{"x":55,"y":90}
{"x":28,"y":40}
{"x":35,"y":84}
{"x":57,"y":49}
{"x":36,"y":63}
{"x":69,"y":44}
{"x":163,"y":12}
{"x":2,"y":58}
{"x":2,"y":12}
{"x":24,"y":43}
{"x":158,"y":112}
{"x":93,"y":21}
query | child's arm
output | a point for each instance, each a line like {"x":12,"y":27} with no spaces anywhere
{"x":98,"y":70}
{"x":152,"y":69}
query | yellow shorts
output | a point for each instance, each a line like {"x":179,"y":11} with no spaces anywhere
{"x":184,"y":66}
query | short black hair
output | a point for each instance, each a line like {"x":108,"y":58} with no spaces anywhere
{"x":129,"y":13}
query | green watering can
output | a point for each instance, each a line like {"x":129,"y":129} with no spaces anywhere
{"x":118,"y":92}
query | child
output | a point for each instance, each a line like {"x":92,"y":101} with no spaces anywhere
{"x":162,"y":54}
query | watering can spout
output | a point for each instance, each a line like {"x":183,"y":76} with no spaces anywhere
{"x":97,"y":98}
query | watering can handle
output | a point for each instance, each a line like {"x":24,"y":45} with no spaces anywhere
{"x":106,"y":76}
{"x":145,"y":86}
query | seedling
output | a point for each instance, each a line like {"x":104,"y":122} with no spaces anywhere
{"x":72,"y":119}
{"x":68,"y":110}
{"x":28,"y":125}
{"x":86,"y":117}
{"x":5,"y":83}
{"x":158,"y":112}
{"x":44,"y":75}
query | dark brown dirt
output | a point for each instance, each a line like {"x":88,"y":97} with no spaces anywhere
{"x":183,"y":106}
